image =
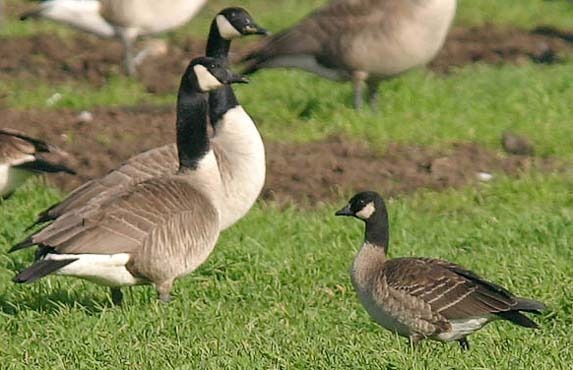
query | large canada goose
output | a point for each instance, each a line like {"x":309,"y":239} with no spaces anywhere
{"x":365,"y":41}
{"x":424,"y":298}
{"x":122,"y":19}
{"x":22,"y":156}
{"x":237,"y":143}
{"x":151,"y":232}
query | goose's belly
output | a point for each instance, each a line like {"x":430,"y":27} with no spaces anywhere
{"x":11,"y":178}
{"x":382,"y":317}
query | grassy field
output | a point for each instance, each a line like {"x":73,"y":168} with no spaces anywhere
{"x":276,"y":292}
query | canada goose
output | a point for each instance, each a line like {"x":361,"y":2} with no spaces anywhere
{"x":237,"y":143}
{"x":151,"y":232}
{"x":365,"y":41}
{"x":122,"y":19}
{"x":424,"y":298}
{"x":21,"y":157}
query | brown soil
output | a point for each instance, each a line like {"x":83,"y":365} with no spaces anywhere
{"x":88,"y":59}
{"x":304,"y":173}
{"x":496,"y":45}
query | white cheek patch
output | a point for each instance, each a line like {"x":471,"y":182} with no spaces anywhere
{"x":226,"y":29}
{"x":207,"y":81}
{"x":367,"y":211}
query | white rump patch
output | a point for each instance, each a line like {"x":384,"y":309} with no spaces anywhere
{"x":207,"y":81}
{"x":105,"y":269}
{"x":11,"y":178}
{"x":463,"y":327}
{"x":226,"y":29}
{"x":367,"y":211}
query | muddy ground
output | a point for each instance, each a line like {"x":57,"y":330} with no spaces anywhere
{"x":307,"y":173}
{"x":311,"y":172}
{"x":91,"y":60}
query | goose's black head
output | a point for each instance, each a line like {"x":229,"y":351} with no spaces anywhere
{"x":369,"y":207}
{"x":236,"y":22}
{"x":365,"y":206}
{"x":206,"y":74}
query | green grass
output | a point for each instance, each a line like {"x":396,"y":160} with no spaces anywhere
{"x":276,"y":292}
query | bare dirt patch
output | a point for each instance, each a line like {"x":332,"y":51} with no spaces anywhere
{"x":307,"y":173}
{"x":496,"y":45}
{"x":87,"y":59}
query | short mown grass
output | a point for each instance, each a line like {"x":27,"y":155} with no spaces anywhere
{"x":276,"y":294}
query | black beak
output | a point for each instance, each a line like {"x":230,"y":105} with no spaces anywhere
{"x":255,"y":29}
{"x":346,"y":211}
{"x":237,"y":78}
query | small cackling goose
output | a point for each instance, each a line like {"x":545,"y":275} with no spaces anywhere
{"x":154,"y":231}
{"x":237,"y":143}
{"x":122,"y":19}
{"x":424,"y":298}
{"x":22,"y":156}
{"x":365,"y":41}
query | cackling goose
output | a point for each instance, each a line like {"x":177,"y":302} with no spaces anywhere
{"x":424,"y":298}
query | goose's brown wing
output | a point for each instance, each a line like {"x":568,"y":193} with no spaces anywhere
{"x":320,"y":32}
{"x":451,"y":290}
{"x":16,"y":147}
{"x":125,"y":222}
{"x":144,"y":166}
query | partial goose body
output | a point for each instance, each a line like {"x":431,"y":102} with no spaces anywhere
{"x":147,"y":17}
{"x":154,"y":231}
{"x":81,"y":14}
{"x":365,"y":41}
{"x":122,"y":19}
{"x":237,"y":143}
{"x":22,"y":157}
{"x":425,"y":298}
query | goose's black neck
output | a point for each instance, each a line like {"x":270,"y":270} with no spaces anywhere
{"x":223,"y":99}
{"x":377,"y":230}
{"x":217,"y":46}
{"x":192,"y":134}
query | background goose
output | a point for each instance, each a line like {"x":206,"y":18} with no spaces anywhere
{"x":22,"y":156}
{"x":122,"y":19}
{"x":365,"y":41}
{"x":423,"y":298}
{"x":152,"y":232}
{"x":237,"y":143}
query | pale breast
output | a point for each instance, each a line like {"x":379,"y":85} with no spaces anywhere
{"x":409,"y":41}
{"x":241,"y":157}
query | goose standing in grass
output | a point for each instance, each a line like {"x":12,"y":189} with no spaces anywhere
{"x":365,"y":41}
{"x":122,"y":19}
{"x":154,"y":231}
{"x":237,"y":143}
{"x":423,"y":298}
{"x":22,"y":156}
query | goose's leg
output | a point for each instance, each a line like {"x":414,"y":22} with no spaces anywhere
{"x":358,"y":81}
{"x":373,"y":94}
{"x":116,"y":296}
{"x":127,"y":41}
{"x":464,"y":343}
{"x":415,"y":341}
{"x":163,"y":290}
